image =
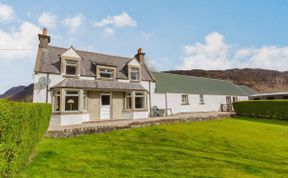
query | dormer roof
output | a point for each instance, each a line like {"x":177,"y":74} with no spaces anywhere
{"x":70,"y":53}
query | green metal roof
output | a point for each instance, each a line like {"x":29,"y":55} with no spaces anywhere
{"x":174,"y":83}
{"x":247,"y":90}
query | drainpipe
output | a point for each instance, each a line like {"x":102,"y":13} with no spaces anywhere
{"x":150,"y":114}
{"x":47,"y":87}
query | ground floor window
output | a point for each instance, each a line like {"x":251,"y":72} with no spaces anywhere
{"x":56,"y":101}
{"x":184,"y":99}
{"x":201,"y":99}
{"x":135,"y":100}
{"x":139,"y":100}
{"x":85,"y":101}
{"x":71,"y":100}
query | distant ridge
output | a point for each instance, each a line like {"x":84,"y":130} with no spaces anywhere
{"x":20,"y":93}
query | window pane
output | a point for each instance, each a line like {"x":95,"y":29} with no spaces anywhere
{"x":184,"y":98}
{"x":71,"y":103}
{"x":70,"y":70}
{"x":105,"y":99}
{"x":134,"y":74}
{"x":139,"y":102}
{"x":106,"y":73}
{"x":85,"y":101}
{"x":129,"y":103}
{"x":57,"y":103}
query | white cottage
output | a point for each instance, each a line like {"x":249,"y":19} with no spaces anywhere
{"x":86,"y":86}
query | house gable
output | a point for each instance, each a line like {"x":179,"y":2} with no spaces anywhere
{"x":70,"y":53}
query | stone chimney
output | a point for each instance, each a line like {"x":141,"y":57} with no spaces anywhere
{"x":140,"y":56}
{"x":44,"y":38}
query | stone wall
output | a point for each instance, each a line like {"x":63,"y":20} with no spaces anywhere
{"x":108,"y":126}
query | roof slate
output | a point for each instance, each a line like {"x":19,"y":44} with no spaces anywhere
{"x":174,"y":83}
{"x":99,"y":84}
{"x":247,"y":90}
{"x":50,"y":62}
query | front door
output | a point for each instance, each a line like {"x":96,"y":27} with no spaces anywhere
{"x":229,"y":103}
{"x":105,"y":106}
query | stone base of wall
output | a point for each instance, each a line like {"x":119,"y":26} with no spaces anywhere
{"x":108,"y":126}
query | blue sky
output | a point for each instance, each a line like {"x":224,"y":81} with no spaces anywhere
{"x":210,"y":34}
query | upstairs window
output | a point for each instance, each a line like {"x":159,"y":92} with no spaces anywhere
{"x":105,"y":72}
{"x":71,"y":67}
{"x":134,"y":74}
{"x":184,"y":99}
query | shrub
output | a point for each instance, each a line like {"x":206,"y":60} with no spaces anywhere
{"x":21,"y":127}
{"x":275,"y":109}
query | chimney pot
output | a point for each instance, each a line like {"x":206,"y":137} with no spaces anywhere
{"x":45,"y":31}
{"x":44,"y":38}
{"x":139,"y":50}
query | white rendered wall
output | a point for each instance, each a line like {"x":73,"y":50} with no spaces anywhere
{"x":39,"y":94}
{"x":70,"y":119}
{"x":211,"y":102}
{"x":140,"y":114}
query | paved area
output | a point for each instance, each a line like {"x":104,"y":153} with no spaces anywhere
{"x":109,"y":125}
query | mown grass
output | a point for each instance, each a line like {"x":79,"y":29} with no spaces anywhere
{"x":226,"y":148}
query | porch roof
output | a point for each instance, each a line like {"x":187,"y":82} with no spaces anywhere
{"x":99,"y":85}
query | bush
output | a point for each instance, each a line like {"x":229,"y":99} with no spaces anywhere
{"x":275,"y":109}
{"x":21,"y":127}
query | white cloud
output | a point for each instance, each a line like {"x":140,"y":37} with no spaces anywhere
{"x":214,"y":53}
{"x":74,"y":22}
{"x":6,"y":12}
{"x":47,"y":19}
{"x":109,"y":31}
{"x":145,"y":35}
{"x":25,"y":37}
{"x":117,"y":21}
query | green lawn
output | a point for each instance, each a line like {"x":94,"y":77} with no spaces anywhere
{"x":224,"y":148}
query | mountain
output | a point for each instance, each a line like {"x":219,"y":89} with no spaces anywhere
{"x":12,"y":91}
{"x":261,"y":80}
{"x":20,"y":93}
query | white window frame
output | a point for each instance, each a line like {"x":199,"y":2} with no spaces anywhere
{"x":76,"y":65}
{"x":56,"y":93}
{"x":130,"y":71}
{"x":133,"y":95}
{"x":65,"y":95}
{"x":99,"y":68}
{"x":184,"y":101}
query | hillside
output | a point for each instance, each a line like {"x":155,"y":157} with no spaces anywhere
{"x":12,"y":91}
{"x":20,"y":93}
{"x":261,"y":80}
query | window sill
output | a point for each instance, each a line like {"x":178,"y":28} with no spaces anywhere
{"x":70,"y":112}
{"x":71,"y":76}
{"x":135,"y":81}
{"x":134,"y":110}
{"x":185,"y":104}
{"x":201,"y":103}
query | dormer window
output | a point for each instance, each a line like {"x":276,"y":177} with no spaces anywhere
{"x":71,"y":67}
{"x":106,"y":72}
{"x":134,"y":74}
{"x":70,"y":63}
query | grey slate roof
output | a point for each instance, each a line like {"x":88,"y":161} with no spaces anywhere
{"x":174,"y":83}
{"x":98,"y":84}
{"x":50,"y":62}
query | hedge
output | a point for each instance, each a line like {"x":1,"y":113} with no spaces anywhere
{"x":274,"y":109}
{"x":21,"y":127}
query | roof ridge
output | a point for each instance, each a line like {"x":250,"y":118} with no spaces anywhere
{"x":85,"y":51}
